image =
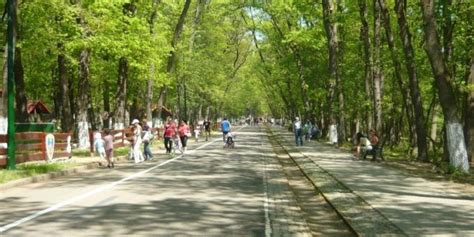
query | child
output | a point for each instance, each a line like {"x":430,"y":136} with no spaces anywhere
{"x":99,"y":146}
{"x":230,"y":141}
{"x":197,"y":131}
{"x":109,"y":148}
{"x":177,"y":144}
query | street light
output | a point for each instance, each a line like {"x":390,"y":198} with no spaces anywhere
{"x":11,"y":162}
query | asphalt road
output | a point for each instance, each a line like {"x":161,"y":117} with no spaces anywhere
{"x":210,"y":191}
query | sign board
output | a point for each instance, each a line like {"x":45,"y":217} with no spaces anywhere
{"x":49,"y":146}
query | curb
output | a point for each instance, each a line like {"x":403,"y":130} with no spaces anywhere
{"x":52,"y":175}
{"x":46,"y":176}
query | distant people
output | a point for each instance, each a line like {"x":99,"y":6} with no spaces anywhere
{"x":298,"y":132}
{"x":229,"y":141}
{"x":184,"y":133}
{"x":168,"y":134}
{"x":197,"y":132}
{"x":225,"y":128}
{"x":137,"y":141}
{"x":361,"y":144}
{"x":99,"y":146}
{"x":374,"y":144}
{"x":207,"y":129}
{"x":315,"y":132}
{"x":333,"y":132}
{"x":109,"y":148}
{"x":147,"y":138}
{"x":307,"y":130}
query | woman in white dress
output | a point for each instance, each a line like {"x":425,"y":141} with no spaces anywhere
{"x":333,"y":132}
{"x":137,"y":141}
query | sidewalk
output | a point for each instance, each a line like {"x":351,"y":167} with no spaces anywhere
{"x":415,"y":205}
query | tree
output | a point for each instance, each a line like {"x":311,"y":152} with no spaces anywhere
{"x":409,"y":52}
{"x":454,"y":130}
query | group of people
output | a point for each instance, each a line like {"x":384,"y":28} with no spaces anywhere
{"x":308,"y":130}
{"x":175,"y":138}
{"x":363,"y":144}
{"x":366,"y":144}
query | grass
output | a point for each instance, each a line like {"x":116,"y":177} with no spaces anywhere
{"x":29,"y":170}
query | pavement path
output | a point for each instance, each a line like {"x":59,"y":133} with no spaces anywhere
{"x":417,"y":206}
{"x":209,"y":191}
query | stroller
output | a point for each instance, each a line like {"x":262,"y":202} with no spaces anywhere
{"x":229,"y":142}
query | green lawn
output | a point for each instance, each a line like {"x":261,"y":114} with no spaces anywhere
{"x":29,"y":170}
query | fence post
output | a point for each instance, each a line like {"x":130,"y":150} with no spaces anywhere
{"x":43,"y":145}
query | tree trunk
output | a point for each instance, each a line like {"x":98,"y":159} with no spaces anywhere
{"x":364,"y":34}
{"x":469,"y":114}
{"x":417,"y":103}
{"x":172,"y":56}
{"x":398,"y":76}
{"x":454,"y":129}
{"x":151,"y":76}
{"x":121,"y":95}
{"x":331,"y":27}
{"x":378,"y":77}
{"x":20,"y":96}
{"x":106,"y":118}
{"x":66,"y":115}
{"x":83,"y":99}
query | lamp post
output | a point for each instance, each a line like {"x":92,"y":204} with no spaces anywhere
{"x":11,"y":161}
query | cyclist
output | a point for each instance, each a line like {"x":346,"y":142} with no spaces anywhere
{"x":225,"y":128}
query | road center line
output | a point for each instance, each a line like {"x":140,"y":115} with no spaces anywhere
{"x":95,"y":191}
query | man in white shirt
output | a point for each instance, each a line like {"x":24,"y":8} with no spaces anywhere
{"x":298,"y":132}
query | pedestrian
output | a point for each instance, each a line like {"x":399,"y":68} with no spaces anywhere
{"x":225,"y":128}
{"x":197,"y":131}
{"x":307,"y":130}
{"x":298,"y":132}
{"x":184,"y":133}
{"x":333,"y":132}
{"x":168,"y":134}
{"x":137,"y":141}
{"x":109,"y":148}
{"x":99,"y":146}
{"x":147,"y":138}
{"x":207,"y":129}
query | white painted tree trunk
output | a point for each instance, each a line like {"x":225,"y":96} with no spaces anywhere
{"x":83,"y":134}
{"x":457,"y":146}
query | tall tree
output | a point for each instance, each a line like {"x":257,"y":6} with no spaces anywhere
{"x":469,"y":113}
{"x":409,"y":52}
{"x":331,"y":27}
{"x":377,"y":68}
{"x":455,"y":134}
{"x":121,"y":95}
{"x":172,"y":56}
{"x":398,"y":71}
{"x":365,"y":37}
{"x":151,"y":76}
{"x":66,"y":115}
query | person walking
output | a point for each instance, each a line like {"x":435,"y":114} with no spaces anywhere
{"x":99,"y":146}
{"x":184,"y":133}
{"x":298,"y":132}
{"x":333,"y":132}
{"x":169,"y":132}
{"x":109,"y":148}
{"x":137,"y":141}
{"x":147,"y":137}
{"x":225,"y":128}
{"x":207,"y":128}
{"x":197,"y":132}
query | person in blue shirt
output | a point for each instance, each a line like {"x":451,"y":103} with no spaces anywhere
{"x":225,"y":128}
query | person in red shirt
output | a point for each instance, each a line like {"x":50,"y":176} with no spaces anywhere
{"x":184,"y":132}
{"x":169,"y":132}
